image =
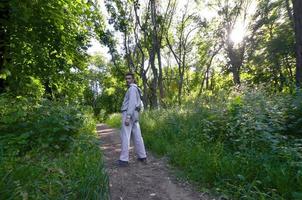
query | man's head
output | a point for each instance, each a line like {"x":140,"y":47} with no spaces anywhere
{"x":129,"y":78}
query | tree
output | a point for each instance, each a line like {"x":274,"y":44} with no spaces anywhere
{"x":297,"y":6}
{"x":232,"y":14}
{"x":270,"y":55}
{"x":48,"y":42}
{"x":182,"y":45}
{"x":143,"y":28}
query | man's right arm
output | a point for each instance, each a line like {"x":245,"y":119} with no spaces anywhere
{"x":132,"y":102}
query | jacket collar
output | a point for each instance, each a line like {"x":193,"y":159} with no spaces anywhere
{"x":132,"y":84}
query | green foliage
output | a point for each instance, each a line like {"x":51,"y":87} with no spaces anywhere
{"x":271,"y":51}
{"x":106,"y":91}
{"x":49,"y":150}
{"x":294,"y":115}
{"x":234,"y":142}
{"x":74,"y":174}
{"x":114,"y":120}
{"x":47,"y":42}
{"x":50,"y":125}
{"x":32,"y":88}
{"x":245,"y":144}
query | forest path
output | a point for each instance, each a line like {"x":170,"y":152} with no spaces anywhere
{"x":153,"y":181}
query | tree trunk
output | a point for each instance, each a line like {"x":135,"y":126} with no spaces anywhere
{"x":145,"y":89}
{"x":236,"y":75}
{"x":208,"y":67}
{"x":297,"y":5}
{"x":236,"y":56}
{"x":142,"y":71}
{"x":180,"y":84}
{"x":153,"y":88}
{"x":289,"y":68}
{"x":154,"y":84}
{"x":130,"y":62}
{"x":48,"y":90}
{"x":160,"y":74}
{"x":201,"y":85}
{"x":157,"y":46}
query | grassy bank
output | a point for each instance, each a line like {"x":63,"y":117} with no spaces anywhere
{"x":49,"y":150}
{"x":244,"y":145}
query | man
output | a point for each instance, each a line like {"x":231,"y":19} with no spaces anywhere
{"x":130,"y":114}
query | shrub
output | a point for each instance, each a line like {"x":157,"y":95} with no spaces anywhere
{"x":235,"y":144}
{"x":74,"y":174}
{"x":26,"y":124}
{"x":114,"y":120}
{"x":49,"y":150}
{"x":294,"y":115}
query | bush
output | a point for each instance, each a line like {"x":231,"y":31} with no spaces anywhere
{"x":114,"y":120}
{"x":49,"y":151}
{"x":294,"y":115}
{"x":236,"y":143}
{"x":26,"y":124}
{"x":76,"y":174}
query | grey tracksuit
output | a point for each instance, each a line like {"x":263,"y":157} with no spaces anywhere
{"x":130,"y":103}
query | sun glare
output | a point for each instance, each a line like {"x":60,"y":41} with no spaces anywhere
{"x":237,"y":34}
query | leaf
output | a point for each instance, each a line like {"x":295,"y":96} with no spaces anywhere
{"x":297,"y":195}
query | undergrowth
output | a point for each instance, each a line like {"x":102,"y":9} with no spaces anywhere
{"x":49,"y":150}
{"x":243,"y":145}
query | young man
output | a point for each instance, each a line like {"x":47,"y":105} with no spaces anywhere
{"x":130,"y":114}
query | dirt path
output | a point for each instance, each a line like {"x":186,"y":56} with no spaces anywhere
{"x":139,"y":181}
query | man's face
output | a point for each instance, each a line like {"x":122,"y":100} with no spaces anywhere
{"x":129,"y":79}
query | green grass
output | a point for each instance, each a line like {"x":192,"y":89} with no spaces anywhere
{"x":237,"y":146}
{"x":76,"y":174}
{"x":114,"y":120}
{"x":50,"y":151}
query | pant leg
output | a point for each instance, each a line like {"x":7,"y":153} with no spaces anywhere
{"x":125,"y":135}
{"x":138,"y":141}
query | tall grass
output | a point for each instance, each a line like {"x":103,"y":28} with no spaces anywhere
{"x":114,"y":120}
{"x":77,"y":174}
{"x":243,"y":145}
{"x":49,"y":150}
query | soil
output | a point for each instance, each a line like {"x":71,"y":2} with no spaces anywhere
{"x":154,"y":180}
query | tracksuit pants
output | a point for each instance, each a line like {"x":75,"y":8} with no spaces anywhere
{"x":125,"y":134}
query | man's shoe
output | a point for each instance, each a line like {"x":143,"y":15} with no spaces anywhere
{"x":142,"y":160}
{"x":122,"y":163}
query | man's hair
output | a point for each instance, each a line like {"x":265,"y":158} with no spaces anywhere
{"x":130,"y":74}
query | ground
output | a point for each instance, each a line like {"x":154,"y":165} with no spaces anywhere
{"x":154,"y":181}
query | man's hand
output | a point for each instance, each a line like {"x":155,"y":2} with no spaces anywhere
{"x":127,"y":121}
